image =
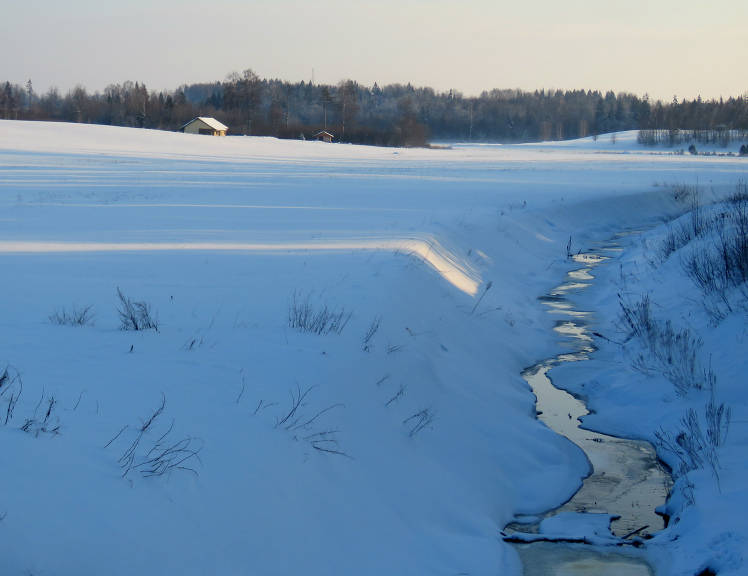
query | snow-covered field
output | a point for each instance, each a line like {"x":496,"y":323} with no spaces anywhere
{"x":399,"y":441}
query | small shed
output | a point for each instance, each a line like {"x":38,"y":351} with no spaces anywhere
{"x":203,"y":125}
{"x":324,"y":136}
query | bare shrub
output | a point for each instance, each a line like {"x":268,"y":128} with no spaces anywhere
{"x":691,"y":446}
{"x":394,"y":348}
{"x":11,"y":388}
{"x":198,"y":340}
{"x":78,"y":317}
{"x":164,"y":455}
{"x":305,"y":318}
{"x":687,"y":443}
{"x":386,"y":376}
{"x":136,"y":315}
{"x":326,"y":441}
{"x":700,"y":223}
{"x":704,"y":267}
{"x":718,"y":417}
{"x":296,"y":419}
{"x":373,"y":327}
{"x":420,"y":420}
{"x":695,"y":225}
{"x":662,"y":348}
{"x":679,"y":235}
{"x":398,"y":394}
{"x":636,"y":317}
{"x":49,"y":423}
{"x":720,"y":268}
{"x":684,"y":193}
{"x":735,"y":243}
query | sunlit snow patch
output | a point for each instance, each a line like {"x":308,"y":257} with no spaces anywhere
{"x":453,"y":269}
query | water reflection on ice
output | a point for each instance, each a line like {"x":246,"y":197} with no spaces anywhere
{"x":626,"y":479}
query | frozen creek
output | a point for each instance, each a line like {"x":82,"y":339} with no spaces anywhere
{"x":625,"y":481}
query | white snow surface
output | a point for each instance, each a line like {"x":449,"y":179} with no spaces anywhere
{"x":592,"y":528}
{"x":219,"y":235}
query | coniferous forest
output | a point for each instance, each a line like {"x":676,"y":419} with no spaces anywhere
{"x":391,"y":115}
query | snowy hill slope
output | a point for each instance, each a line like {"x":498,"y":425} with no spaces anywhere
{"x":400,"y":441}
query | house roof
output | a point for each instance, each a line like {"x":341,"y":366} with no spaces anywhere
{"x":211,"y":122}
{"x":324,"y":133}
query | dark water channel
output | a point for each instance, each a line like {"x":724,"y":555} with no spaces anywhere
{"x":626,"y":480}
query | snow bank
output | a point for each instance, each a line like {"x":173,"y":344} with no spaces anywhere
{"x":589,"y":528}
{"x":662,"y":383}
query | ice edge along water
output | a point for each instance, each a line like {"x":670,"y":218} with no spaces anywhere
{"x":626,"y":483}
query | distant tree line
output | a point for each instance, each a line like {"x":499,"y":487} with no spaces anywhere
{"x":392,"y":115}
{"x":700,"y":121}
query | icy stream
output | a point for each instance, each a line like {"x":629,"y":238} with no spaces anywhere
{"x":626,"y":480}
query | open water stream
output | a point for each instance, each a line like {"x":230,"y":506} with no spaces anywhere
{"x":626,"y":479}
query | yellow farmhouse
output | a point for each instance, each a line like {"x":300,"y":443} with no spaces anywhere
{"x":202,"y":125}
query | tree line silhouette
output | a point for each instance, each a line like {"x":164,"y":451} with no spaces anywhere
{"x":391,"y":115}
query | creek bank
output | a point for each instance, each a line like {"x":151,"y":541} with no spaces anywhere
{"x":617,"y":503}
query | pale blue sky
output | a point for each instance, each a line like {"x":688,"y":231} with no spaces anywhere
{"x":664,"y":47}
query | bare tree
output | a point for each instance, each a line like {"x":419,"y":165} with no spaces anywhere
{"x":243,"y":92}
{"x":326,"y":99}
{"x":347,"y":103}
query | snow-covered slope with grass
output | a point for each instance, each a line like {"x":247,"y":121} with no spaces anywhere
{"x":671,"y":368}
{"x":235,"y":438}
